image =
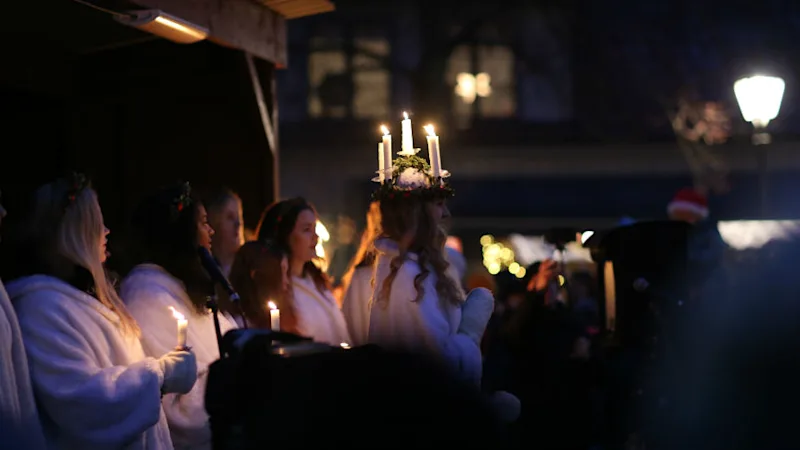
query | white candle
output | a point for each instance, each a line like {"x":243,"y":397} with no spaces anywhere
{"x":433,"y":151}
{"x":381,"y":164}
{"x":183,"y":326}
{"x":274,"y":316}
{"x":408,"y":136}
{"x":387,"y":154}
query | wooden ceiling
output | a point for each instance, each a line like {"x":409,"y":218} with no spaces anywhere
{"x":294,"y":9}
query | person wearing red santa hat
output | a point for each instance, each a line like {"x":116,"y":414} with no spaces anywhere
{"x":688,"y":205}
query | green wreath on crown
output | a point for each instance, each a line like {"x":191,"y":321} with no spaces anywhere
{"x":411,"y":178}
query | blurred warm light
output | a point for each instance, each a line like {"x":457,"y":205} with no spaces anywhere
{"x":271,"y":305}
{"x":586,"y":235}
{"x":324,"y":236}
{"x":514,"y":268}
{"x":385,"y":130}
{"x":759,"y":98}
{"x":521,"y":272}
{"x":344,"y":345}
{"x":561,"y":280}
{"x":496,"y":256}
{"x":177,"y":315}
{"x":455,"y":243}
{"x":469,"y":86}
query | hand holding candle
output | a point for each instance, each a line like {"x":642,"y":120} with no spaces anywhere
{"x":274,"y":316}
{"x":183,"y":326}
{"x":433,"y":152}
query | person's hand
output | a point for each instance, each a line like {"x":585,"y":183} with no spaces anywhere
{"x":180,"y":371}
{"x":548,"y":271}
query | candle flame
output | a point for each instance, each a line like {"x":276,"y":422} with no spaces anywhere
{"x":430,"y":130}
{"x":272,"y":305}
{"x":344,"y":345}
{"x":385,"y":130}
{"x":405,"y":115}
{"x":176,"y":314}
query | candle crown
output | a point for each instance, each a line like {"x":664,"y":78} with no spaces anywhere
{"x":272,"y":305}
{"x":413,"y":180}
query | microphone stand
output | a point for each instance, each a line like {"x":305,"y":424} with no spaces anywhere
{"x":211,"y":303}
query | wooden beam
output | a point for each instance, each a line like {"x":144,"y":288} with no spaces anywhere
{"x":294,"y":9}
{"x":241,"y":24}
{"x":269,"y":119}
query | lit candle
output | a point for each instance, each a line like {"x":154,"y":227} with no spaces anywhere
{"x":274,"y":316}
{"x":408,"y":136}
{"x":183,"y":326}
{"x":387,"y":154}
{"x":433,"y":152}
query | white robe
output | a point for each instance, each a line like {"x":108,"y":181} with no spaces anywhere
{"x":428,"y":326}
{"x":94,"y":386}
{"x":356,"y":304}
{"x":19,"y":420}
{"x":149,"y":291}
{"x":318,"y":315}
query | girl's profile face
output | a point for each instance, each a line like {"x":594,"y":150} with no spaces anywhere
{"x":204,"y":230}
{"x":303,"y":239}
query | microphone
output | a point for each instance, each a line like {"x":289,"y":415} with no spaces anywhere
{"x":215,"y":272}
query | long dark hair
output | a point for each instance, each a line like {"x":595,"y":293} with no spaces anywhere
{"x":257,"y":277}
{"x":276,"y":225}
{"x":165,"y":231}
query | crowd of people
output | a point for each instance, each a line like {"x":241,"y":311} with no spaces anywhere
{"x":90,"y":358}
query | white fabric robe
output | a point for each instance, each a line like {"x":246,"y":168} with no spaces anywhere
{"x":149,"y":291}
{"x":19,"y":420}
{"x":94,"y":386}
{"x":427,"y":326}
{"x":356,"y":304}
{"x":318,"y":315}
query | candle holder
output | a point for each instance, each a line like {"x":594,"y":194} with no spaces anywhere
{"x":408,"y":152}
{"x":387,"y":174}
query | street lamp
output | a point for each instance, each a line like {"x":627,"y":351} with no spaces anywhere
{"x":759,"y":100}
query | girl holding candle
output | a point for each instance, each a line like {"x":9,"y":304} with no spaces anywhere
{"x":169,"y":226}
{"x":289,"y":277}
{"x":256,"y":277}
{"x":94,"y":386}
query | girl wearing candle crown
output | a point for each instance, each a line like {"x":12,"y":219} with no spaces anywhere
{"x":418,"y":305}
{"x":94,"y":386}
{"x":169,"y":226}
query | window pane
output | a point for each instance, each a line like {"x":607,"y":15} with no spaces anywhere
{"x":372,"y":94}
{"x":498,"y":63}
{"x":372,"y":79}
{"x":326,"y":67}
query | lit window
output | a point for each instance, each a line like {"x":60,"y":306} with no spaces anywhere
{"x":482,"y":75}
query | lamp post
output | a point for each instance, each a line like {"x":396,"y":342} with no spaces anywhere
{"x":759,"y":100}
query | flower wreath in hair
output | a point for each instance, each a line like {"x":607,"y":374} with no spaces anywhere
{"x":412,"y":179}
{"x":76,"y":182}
{"x":182,"y":201}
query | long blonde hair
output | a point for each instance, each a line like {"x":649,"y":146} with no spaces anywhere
{"x":69,"y":223}
{"x":366,"y":249}
{"x":411,"y":223}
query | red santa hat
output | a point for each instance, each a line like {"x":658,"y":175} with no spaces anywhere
{"x":688,"y":199}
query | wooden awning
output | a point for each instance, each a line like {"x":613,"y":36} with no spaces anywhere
{"x":294,"y":9}
{"x":255,"y":26}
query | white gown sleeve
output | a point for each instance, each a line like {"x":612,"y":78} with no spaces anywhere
{"x":355,"y":305}
{"x":102,"y":407}
{"x":186,"y":414}
{"x":422,"y":325}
